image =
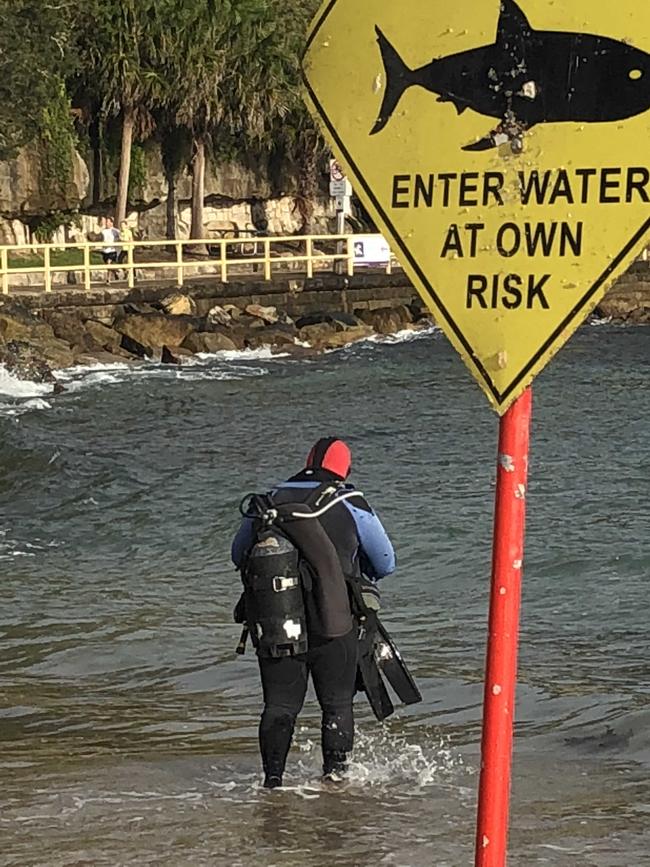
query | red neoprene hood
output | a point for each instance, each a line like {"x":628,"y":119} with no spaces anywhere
{"x":330,"y":454}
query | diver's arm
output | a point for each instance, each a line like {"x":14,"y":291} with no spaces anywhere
{"x":376,"y":548}
{"x":242,"y":542}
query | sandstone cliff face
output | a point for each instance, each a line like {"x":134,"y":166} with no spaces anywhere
{"x":22,"y":195}
{"x":236,"y":196}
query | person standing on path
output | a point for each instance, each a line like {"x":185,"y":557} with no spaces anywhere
{"x":110,"y":253}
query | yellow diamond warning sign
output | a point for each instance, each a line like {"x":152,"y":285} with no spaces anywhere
{"x":503,"y":148}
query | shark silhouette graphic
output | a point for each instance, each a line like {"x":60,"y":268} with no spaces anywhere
{"x":527,"y":77}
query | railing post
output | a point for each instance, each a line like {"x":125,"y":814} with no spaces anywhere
{"x":267,"y":258}
{"x":4,"y":266}
{"x":350,"y":250}
{"x":309,"y":251}
{"x":223,"y":262}
{"x":389,"y":264}
{"x":131,"y":270}
{"x":46,"y":268}
{"x":180,"y":275}
{"x":87,"y":267}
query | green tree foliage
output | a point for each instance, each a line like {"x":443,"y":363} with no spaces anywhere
{"x":56,"y":142}
{"x":118,"y":42}
{"x":264,"y":76}
{"x":34,"y":57}
{"x":233,"y":75}
{"x":192,"y":62}
{"x":216,"y":77}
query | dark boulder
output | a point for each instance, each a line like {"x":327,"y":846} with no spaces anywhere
{"x":339,"y":319}
{"x":209,"y":342}
{"x":25,"y":362}
{"x":154,"y":330}
{"x":103,"y":335}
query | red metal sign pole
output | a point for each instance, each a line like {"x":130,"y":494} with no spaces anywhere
{"x":501,"y":662}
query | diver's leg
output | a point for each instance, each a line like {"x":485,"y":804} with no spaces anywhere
{"x":333,"y":666}
{"x":284,"y":683}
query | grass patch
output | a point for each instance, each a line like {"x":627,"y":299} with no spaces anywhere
{"x":58,"y":259}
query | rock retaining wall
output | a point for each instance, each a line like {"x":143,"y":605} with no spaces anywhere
{"x":42,"y":332}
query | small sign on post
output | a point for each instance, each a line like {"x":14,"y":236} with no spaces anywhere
{"x":510,"y":174}
{"x":341,"y":192}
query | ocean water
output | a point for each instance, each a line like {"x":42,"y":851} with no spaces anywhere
{"x":127,"y":723}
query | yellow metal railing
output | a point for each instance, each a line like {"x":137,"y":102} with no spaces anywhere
{"x":262,"y":257}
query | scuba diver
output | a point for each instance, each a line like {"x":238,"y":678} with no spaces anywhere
{"x":310,"y":553}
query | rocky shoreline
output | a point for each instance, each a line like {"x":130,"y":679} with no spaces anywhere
{"x":173,"y":328}
{"x":33,"y":347}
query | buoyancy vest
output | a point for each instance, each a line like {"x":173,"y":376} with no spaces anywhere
{"x":294,"y":581}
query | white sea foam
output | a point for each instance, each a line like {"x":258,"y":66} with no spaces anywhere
{"x":221,"y":366}
{"x":382,"y":757}
{"x":203,"y":367}
{"x":406,"y":335}
{"x":264,"y":353}
{"x":11,"y":548}
{"x":11,"y":386}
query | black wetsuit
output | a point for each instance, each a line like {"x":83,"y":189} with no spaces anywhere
{"x":332,"y":664}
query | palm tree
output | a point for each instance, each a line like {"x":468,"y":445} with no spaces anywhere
{"x":233,"y":77}
{"x":118,"y":44}
{"x":264,"y":75}
{"x":176,"y":149}
{"x":192,"y":66}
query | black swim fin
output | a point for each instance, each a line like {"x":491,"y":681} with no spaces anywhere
{"x":393,"y":667}
{"x":368,"y":674}
{"x":373,"y":686}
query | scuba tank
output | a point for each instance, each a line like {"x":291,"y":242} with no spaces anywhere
{"x":273,"y":600}
{"x":275,"y":609}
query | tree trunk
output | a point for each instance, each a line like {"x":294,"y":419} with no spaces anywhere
{"x":171,"y":206}
{"x":125,"y":167}
{"x":198,"y":188}
{"x":95,"y":136}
